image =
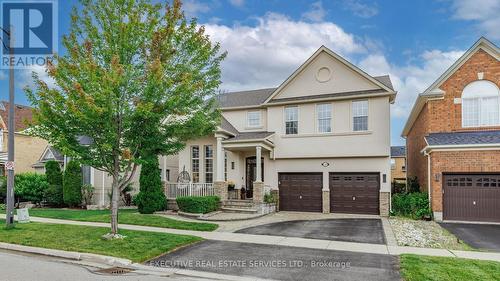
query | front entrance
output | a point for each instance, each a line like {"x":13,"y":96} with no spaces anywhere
{"x":251,"y":174}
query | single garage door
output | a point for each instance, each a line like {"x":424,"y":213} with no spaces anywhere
{"x":471,"y":197}
{"x":300,"y":191}
{"x":356,"y":193}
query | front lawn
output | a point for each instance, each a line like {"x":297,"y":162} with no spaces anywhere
{"x":125,"y":216}
{"x":417,"y":268}
{"x":138,"y":246}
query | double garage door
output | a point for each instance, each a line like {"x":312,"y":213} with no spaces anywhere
{"x":471,"y":197}
{"x":356,"y":193}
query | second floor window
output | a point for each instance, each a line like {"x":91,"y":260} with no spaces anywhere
{"x":195,"y":163}
{"x":360,"y":115}
{"x":209,"y":164}
{"x":324,"y":112}
{"x":291,"y":120}
{"x":480,"y":104}
{"x":253,"y":119}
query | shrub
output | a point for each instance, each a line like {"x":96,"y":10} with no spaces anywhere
{"x":87,"y":193}
{"x":151,"y":197}
{"x":2,"y":207}
{"x":270,"y":198}
{"x":198,"y":205}
{"x":54,"y":194}
{"x":3,"y":189}
{"x":30,"y":187}
{"x":72,"y":184}
{"x":413,"y":205}
{"x":413,"y":185}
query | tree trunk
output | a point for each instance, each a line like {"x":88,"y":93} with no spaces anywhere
{"x":114,"y":206}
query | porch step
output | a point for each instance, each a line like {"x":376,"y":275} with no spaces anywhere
{"x":239,"y":210}
{"x":239,"y":204}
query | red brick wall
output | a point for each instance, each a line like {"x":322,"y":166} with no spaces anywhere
{"x":459,"y":161}
{"x":416,"y":161}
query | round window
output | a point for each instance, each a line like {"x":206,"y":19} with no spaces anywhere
{"x":324,"y":74}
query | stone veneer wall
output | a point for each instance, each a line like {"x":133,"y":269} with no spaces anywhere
{"x":384,"y":207}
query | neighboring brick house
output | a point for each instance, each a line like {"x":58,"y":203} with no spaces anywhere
{"x":398,"y":164}
{"x":453,"y":138}
{"x":27,"y":148}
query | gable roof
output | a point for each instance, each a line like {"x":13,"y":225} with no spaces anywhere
{"x":337,"y":57}
{"x":244,"y":98}
{"x":398,"y":151}
{"x":433,"y":90}
{"x":23,"y":114}
{"x":463,"y":138}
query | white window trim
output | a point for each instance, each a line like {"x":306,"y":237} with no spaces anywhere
{"x":199,"y":163}
{"x":284,"y":120}
{"x":317,"y":118}
{"x":260,"y":119}
{"x":480,"y":115}
{"x":368,"y":115}
{"x":205,"y":161}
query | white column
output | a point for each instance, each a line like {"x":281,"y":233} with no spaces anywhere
{"x":258,"y":153}
{"x":220,"y":160}
{"x":164,"y":168}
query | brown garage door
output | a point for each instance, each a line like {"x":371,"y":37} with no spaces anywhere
{"x":300,"y":191}
{"x":471,"y":197}
{"x":355,"y":193}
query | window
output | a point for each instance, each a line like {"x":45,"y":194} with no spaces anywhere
{"x":167,"y":175}
{"x":209,"y":164}
{"x":225,"y":165}
{"x":360,"y":115}
{"x":291,"y":120}
{"x":393,"y":163}
{"x":403,"y":168}
{"x":195,"y":163}
{"x":480,"y":104}
{"x":324,"y":112}
{"x":86,"y":177}
{"x":253,"y":119}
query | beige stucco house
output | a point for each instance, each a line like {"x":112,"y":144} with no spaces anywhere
{"x":322,"y":139}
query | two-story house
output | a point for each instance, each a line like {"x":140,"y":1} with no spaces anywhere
{"x":322,"y":138}
{"x":453,"y":138}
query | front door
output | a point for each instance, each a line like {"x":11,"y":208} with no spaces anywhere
{"x":251,"y":174}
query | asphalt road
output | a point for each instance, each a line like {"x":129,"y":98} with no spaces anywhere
{"x":281,"y":263}
{"x":480,"y":236}
{"x":15,"y":266}
{"x":350,"y":230}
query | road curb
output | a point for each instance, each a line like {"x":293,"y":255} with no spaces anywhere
{"x":94,"y":258}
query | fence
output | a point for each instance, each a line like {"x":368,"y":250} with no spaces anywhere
{"x":174,"y":190}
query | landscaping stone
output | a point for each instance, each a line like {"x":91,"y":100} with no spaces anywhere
{"x":426,"y":234}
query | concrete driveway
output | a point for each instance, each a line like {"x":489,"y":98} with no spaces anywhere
{"x":350,"y":230}
{"x":481,"y":236}
{"x":280,"y":262}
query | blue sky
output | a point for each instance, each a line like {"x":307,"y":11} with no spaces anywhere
{"x":266,"y":40}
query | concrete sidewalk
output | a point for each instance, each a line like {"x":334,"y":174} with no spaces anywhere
{"x":292,"y":241}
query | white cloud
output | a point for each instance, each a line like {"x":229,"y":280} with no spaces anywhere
{"x":265,"y":54}
{"x":360,"y":9}
{"x":193,"y":8}
{"x":237,"y":3}
{"x":26,"y":78}
{"x":410,"y":80}
{"x":316,"y":14}
{"x":485,"y":13}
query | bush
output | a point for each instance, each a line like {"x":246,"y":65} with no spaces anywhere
{"x":30,"y":187}
{"x":413,"y":205}
{"x":2,"y":207}
{"x":198,"y":205}
{"x":72,"y":184}
{"x":270,"y":198}
{"x":151,"y":197}
{"x":413,"y":185}
{"x":87,"y":194}
{"x":54,"y":194}
{"x":3,"y":189}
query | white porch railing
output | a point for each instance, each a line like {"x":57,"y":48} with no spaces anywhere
{"x":174,"y":190}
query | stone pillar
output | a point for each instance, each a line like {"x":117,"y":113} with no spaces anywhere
{"x":220,"y":188}
{"x":258,"y":192}
{"x":326,"y":201}
{"x":258,"y":155}
{"x":220,"y":161}
{"x":276,"y":194}
{"x":385,"y":198}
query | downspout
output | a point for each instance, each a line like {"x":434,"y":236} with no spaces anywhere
{"x":429,"y":178}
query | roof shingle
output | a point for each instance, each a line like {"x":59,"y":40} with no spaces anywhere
{"x":463,"y":138}
{"x":398,"y":151}
{"x":23,"y":114}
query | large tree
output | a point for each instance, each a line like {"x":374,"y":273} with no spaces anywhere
{"x":138,"y":78}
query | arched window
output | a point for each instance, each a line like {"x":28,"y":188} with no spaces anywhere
{"x":481,"y":104}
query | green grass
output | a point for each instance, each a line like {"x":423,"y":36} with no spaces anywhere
{"x":138,"y":246}
{"x":125,"y":216}
{"x":416,"y":268}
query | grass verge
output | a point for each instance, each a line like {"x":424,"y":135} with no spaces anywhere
{"x":125,"y":216}
{"x":417,"y":268}
{"x":138,"y":246}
